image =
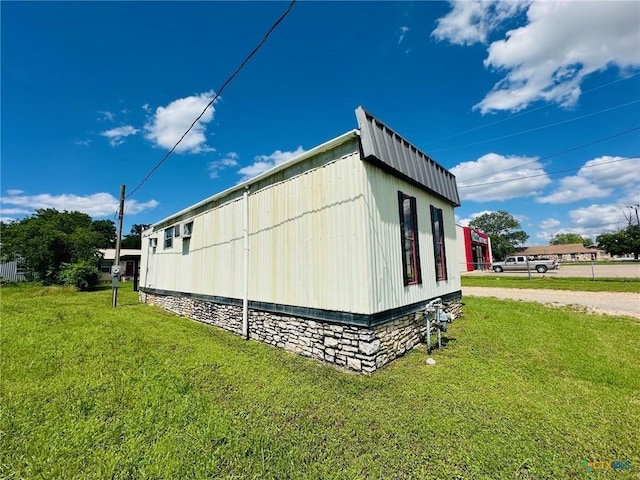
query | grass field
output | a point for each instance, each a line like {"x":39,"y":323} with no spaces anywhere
{"x":554,"y":283}
{"x":520,"y":391}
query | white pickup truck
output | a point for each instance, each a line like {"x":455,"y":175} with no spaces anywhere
{"x":517,"y":263}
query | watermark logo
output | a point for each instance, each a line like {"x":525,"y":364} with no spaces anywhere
{"x":605,"y":465}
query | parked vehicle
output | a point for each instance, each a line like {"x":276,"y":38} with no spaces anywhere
{"x":518,"y":263}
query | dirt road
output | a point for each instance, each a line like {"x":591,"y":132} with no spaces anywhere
{"x":611,"y":303}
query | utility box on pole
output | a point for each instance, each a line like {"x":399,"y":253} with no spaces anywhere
{"x":115,"y":269}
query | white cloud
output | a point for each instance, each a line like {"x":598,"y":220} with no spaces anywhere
{"x":265,"y":162}
{"x":499,"y":178}
{"x":548,"y":58}
{"x":548,"y":228}
{"x":465,"y":221}
{"x":96,"y":205}
{"x":596,"y":179}
{"x":169,"y":123}
{"x":83,"y":143}
{"x":402,"y":33}
{"x":13,"y":191}
{"x":106,"y":115}
{"x":117,"y":135}
{"x":470,"y":22}
{"x":595,"y":219}
{"x":229,"y":160}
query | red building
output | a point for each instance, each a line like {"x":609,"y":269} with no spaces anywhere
{"x":474,"y":249}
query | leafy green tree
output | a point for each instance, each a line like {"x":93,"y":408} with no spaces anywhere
{"x":49,"y":239}
{"x":624,"y":242}
{"x":568,"y":238}
{"x":134,"y":238}
{"x":504,"y":231}
{"x":83,"y":275}
{"x":107,"y":231}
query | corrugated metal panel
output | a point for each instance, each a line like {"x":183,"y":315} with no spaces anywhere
{"x":307,"y":241}
{"x":386,"y":284}
{"x":10,"y":271}
{"x":272,"y":175}
{"x":383,"y":146}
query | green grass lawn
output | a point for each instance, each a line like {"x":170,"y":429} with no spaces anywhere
{"x":554,"y":283}
{"x":520,"y":391}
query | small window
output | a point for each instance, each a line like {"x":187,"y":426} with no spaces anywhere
{"x":153,"y":243}
{"x":187,"y":229}
{"x":437,"y":227}
{"x":409,"y":239}
{"x":105,"y":267}
{"x":176,"y":231}
{"x":168,"y":238}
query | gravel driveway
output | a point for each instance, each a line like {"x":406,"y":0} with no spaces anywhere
{"x":611,"y":303}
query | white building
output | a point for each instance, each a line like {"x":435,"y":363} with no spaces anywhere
{"x":330,"y":254}
{"x":129,"y":262}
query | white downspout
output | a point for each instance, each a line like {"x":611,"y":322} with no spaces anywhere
{"x":245,"y":299}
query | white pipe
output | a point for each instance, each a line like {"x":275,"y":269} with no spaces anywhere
{"x":245,"y":299}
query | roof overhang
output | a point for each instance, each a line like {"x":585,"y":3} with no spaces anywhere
{"x":385,"y":148}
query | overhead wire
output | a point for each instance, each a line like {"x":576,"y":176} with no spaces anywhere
{"x":546,"y":173}
{"x":557,"y":154}
{"x":216,"y":96}
{"x":538,"y":128}
{"x":526,"y":112}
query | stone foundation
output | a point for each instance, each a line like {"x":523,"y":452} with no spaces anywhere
{"x":361,"y":349}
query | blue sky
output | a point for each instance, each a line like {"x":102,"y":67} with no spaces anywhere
{"x":534,"y":106}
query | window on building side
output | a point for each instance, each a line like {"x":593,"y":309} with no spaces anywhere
{"x":437,"y":228}
{"x":168,"y":238}
{"x":409,"y":239}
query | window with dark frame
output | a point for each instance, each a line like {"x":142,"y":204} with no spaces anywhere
{"x":437,"y":228}
{"x":409,"y":239}
{"x":168,"y":238}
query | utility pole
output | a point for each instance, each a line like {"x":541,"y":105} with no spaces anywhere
{"x":115,"y":269}
{"x":635,"y":207}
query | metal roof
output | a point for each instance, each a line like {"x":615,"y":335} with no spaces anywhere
{"x":388,"y":150}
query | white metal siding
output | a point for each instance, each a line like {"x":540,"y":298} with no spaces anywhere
{"x":386,"y":283}
{"x":308,"y":239}
{"x":307,"y":243}
{"x":9,"y":271}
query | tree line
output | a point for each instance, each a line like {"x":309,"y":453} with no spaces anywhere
{"x":63,"y":247}
{"x":57,"y":247}
{"x":507,"y":235}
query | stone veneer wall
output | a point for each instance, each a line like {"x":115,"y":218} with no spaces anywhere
{"x":363,"y":349}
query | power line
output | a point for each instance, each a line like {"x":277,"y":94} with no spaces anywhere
{"x":546,"y":173}
{"x":559,"y":153}
{"x":526,"y":112}
{"x":537,"y":128}
{"x":218,"y":93}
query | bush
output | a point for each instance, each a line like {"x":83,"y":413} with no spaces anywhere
{"x":82,"y":275}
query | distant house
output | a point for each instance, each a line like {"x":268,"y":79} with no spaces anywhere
{"x":129,"y":263}
{"x":332,"y":255}
{"x":474,"y":249}
{"x":573,"y":252}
